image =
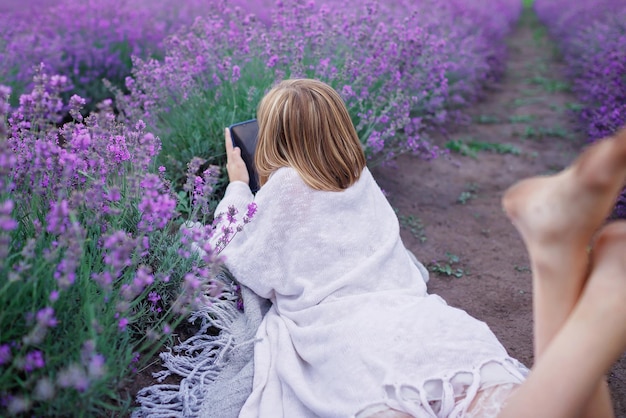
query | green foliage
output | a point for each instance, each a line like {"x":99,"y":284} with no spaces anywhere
{"x":448,"y":267}
{"x":17,"y":88}
{"x":540,"y":33}
{"x":469,"y":194}
{"x":93,"y":278}
{"x":575,"y":107}
{"x":88,"y":315}
{"x":526,"y":101}
{"x":195,"y":126}
{"x":549,"y":85}
{"x":414,"y":225}
{"x":521,"y":118}
{"x":487,"y":119}
{"x":471,"y":148}
{"x":531,"y":132}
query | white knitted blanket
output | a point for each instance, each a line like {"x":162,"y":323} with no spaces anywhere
{"x":215,"y":370}
{"x":351,"y":326}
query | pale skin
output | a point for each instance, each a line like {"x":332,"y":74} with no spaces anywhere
{"x":235,"y":166}
{"x":578,"y":298}
{"x":578,"y":295}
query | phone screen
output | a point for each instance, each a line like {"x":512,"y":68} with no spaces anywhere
{"x":245,"y":136}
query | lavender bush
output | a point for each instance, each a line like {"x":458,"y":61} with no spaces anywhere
{"x":91,"y":280}
{"x":92,"y":277}
{"x":592,"y":37}
{"x":87,"y":40}
{"x":404,"y":68}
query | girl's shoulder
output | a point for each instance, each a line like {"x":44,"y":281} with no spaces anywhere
{"x":283,"y":173}
{"x":285,"y":179}
{"x":291,"y":175}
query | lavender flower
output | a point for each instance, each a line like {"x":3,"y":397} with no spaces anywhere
{"x":96,"y":367}
{"x":119,"y":248}
{"x":76,"y":104}
{"x":44,"y":389}
{"x":231,"y":213}
{"x":6,"y":222}
{"x":121,"y":325}
{"x":18,"y":404}
{"x":33,"y":360}
{"x":5,"y":354}
{"x":236,"y":74}
{"x":73,"y":376}
{"x":157,"y":207}
{"x":154,"y":297}
{"x":57,"y":219}
{"x":45,"y":317}
{"x":193,"y":167}
{"x":252,"y":208}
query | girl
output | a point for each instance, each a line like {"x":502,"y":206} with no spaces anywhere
{"x":352,"y":331}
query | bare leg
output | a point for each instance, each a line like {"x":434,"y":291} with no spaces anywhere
{"x":557,"y":217}
{"x":566,"y":376}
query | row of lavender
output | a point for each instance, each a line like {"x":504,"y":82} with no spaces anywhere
{"x":86,"y":40}
{"x":92,"y":281}
{"x":404,"y":68}
{"x":92,"y":277}
{"x":592,"y":37}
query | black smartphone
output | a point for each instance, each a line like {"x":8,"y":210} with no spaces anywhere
{"x":245,"y":136}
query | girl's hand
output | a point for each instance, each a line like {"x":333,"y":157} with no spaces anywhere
{"x":235,"y":166}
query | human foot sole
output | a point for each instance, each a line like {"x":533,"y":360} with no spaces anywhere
{"x":573,"y":204}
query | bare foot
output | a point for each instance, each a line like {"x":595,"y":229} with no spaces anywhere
{"x":562,"y":212}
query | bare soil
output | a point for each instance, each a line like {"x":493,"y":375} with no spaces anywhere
{"x":450,"y":210}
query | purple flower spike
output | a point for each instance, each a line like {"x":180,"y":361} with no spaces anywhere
{"x":58,"y":217}
{"x":5,"y":354}
{"x":236,"y":73}
{"x":33,"y":360}
{"x":74,"y":376}
{"x":96,"y":366}
{"x":46,"y":318}
{"x":252,"y":208}
{"x":6,"y":222}
{"x":121,"y":325}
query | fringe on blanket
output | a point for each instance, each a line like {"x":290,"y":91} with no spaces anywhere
{"x":216,"y":370}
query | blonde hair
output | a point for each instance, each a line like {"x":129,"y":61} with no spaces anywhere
{"x":305,"y":124}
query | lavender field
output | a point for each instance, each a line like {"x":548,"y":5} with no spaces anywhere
{"x":111,"y":137}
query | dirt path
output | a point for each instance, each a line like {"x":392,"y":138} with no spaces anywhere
{"x":449,"y":208}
